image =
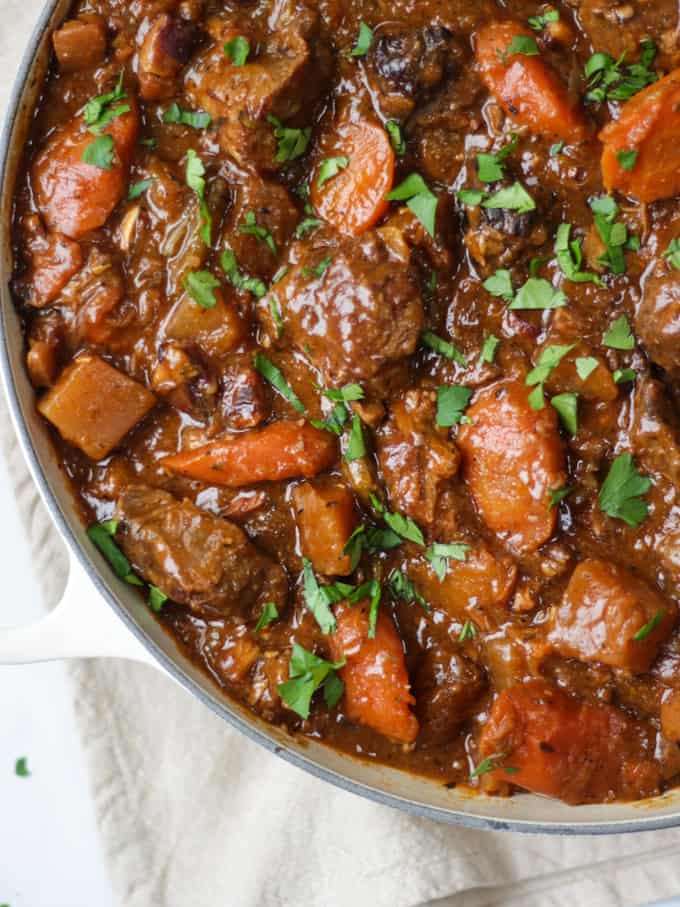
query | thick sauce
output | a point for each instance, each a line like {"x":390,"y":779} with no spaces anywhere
{"x":357,"y":327}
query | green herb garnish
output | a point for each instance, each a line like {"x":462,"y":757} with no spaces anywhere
{"x":402,"y":587}
{"x":201,"y":286}
{"x":175,"y":114}
{"x":538,"y":293}
{"x":275,"y":377}
{"x":250,"y":227}
{"x":611,"y":80}
{"x":356,"y":445}
{"x":451,"y":403}
{"x":102,"y":535}
{"x":396,"y":137}
{"x":651,"y":626}
{"x":307,"y":674}
{"x":269,"y":614}
{"x":419,"y":198}
{"x":292,"y":143}
{"x":567,"y":408}
{"x":364,"y":41}
{"x":621,"y":492}
{"x":330,"y":168}
{"x":468,"y":631}
{"x":490,"y":167}
{"x":21,"y":767}
{"x":99,"y":153}
{"x":195,"y":177}
{"x":489,"y":348}
{"x":237,"y":49}
{"x":570,"y":257}
{"x":538,"y":23}
{"x":619,"y":336}
{"x":433,"y":342}
{"x":138,"y":189}
{"x":439,"y":555}
{"x":237,"y":279}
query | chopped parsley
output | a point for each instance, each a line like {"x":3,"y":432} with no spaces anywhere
{"x":511,"y":198}
{"x":538,"y":23}
{"x":585,"y":366}
{"x":490,"y":764}
{"x":275,"y":377}
{"x":672,"y":253}
{"x":291,"y":143}
{"x":471,"y":197}
{"x":371,"y":539}
{"x":396,"y":137}
{"x":626,"y":159}
{"x":438,"y":345}
{"x":451,"y":403}
{"x":538,"y":293}
{"x":99,"y":111}
{"x":621,"y":492}
{"x":201,"y":286}
{"x":157,"y":598}
{"x":570,"y":257}
{"x":567,"y":408}
{"x":237,"y":279}
{"x":489,"y":348}
{"x":611,"y":80}
{"x":102,"y":535}
{"x":373,"y":588}
{"x":175,"y":114}
{"x":364,"y":41}
{"x":195,"y":177}
{"x":330,"y":167}
{"x":307,"y":224}
{"x":99,"y":153}
{"x":250,"y":227}
{"x":490,"y":167}
{"x":307,"y":673}
{"x":356,"y":444}
{"x":319,"y":270}
{"x":237,"y":49}
{"x":269,"y":614}
{"x":468,"y":631}
{"x":419,"y":198}
{"x":500,"y":284}
{"x":622,"y":375}
{"x":556,"y":149}
{"x":138,"y":189}
{"x":347,"y":394}
{"x":613,"y":233}
{"x":402,"y":525}
{"x":523,"y":45}
{"x":317,"y":599}
{"x":402,"y":587}
{"x":335,"y":422}
{"x":557,"y":495}
{"x":21,"y":767}
{"x":651,"y":626}
{"x":439,"y":555}
{"x":619,"y":336}
{"x":549,"y":359}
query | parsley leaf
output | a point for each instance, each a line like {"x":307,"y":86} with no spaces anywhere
{"x":21,"y":767}
{"x":538,"y":23}
{"x":99,"y":153}
{"x":396,"y":137}
{"x":307,"y":674}
{"x":619,"y":336}
{"x":624,"y":374}
{"x":570,"y":257}
{"x":369,"y":538}
{"x":620,"y":494}
{"x":250,"y":227}
{"x":489,"y":348}
{"x":402,"y":587}
{"x":524,"y":45}
{"x":626,"y":159}
{"x":585,"y":366}
{"x":309,"y":223}
{"x":356,"y":445}
{"x":557,"y":495}
{"x":346,"y":394}
{"x":364,"y":41}
{"x":330,"y":167}
{"x":375,"y":589}
{"x":490,"y":764}
{"x":438,"y":555}
{"x":511,"y":198}
{"x":195,"y":177}
{"x":651,"y":626}
{"x":567,"y":407}
{"x":102,"y":535}
{"x":175,"y":114}
{"x":317,"y":599}
{"x":419,"y":198}
{"x":490,"y":166}
{"x":402,"y":525}
{"x":99,"y":112}
{"x":500,"y":284}
{"x":319,"y":270}
{"x":433,"y":342}
{"x":275,"y":377}
{"x":672,"y":253}
{"x":200,"y":285}
{"x":237,"y":49}
{"x":138,"y":189}
{"x":613,"y":234}
{"x":471,"y":197}
{"x":556,"y":149}
{"x":468,"y":631}
{"x":292,"y":143}
{"x":538,"y":293}
{"x":611,"y":80}
{"x":157,"y":598}
{"x":237,"y":279}
{"x":550,"y":358}
{"x":269,"y":614}
{"x":451,"y":403}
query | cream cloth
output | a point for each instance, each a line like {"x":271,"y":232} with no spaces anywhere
{"x":192,"y":814}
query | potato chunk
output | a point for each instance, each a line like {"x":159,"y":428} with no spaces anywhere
{"x":608,"y":615}
{"x":80,"y":44}
{"x":94,"y":406}
{"x":326,"y":518}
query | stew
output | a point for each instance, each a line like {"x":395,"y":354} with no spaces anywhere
{"x":357,"y":328}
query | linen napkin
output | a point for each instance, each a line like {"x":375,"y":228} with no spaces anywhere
{"x":191,"y":814}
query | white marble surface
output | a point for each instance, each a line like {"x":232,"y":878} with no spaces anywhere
{"x":49,"y":847}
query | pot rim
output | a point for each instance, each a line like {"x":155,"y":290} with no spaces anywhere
{"x":249,"y":728}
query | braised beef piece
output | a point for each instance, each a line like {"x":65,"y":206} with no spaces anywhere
{"x":198,"y":560}
{"x":447,"y":686}
{"x":166,"y":48}
{"x":657,"y":320}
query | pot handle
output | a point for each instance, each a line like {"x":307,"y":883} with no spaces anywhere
{"x":81,"y":626}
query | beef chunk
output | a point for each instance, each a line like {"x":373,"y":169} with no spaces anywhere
{"x":403,"y":64}
{"x":245,"y":400}
{"x":54,"y":259}
{"x":351,"y":307}
{"x":656,"y":434}
{"x":282,"y":81}
{"x":198,"y":560}
{"x":657,"y":320}
{"x":80,"y":43}
{"x":446,"y":687}
{"x":416,"y":460}
{"x":616,"y":27}
{"x":167,"y":46}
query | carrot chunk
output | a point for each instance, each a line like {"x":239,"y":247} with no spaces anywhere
{"x":551,"y":743}
{"x":512,"y":458}
{"x":354,"y":199}
{"x":281,"y":450}
{"x":377,"y":689}
{"x":72,"y":196}
{"x":525,"y":86}
{"x":326,"y":518}
{"x":608,"y":615}
{"x":641,"y":156}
